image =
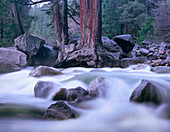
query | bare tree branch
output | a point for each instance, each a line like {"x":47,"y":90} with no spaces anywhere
{"x":73,"y":19}
{"x":32,"y":3}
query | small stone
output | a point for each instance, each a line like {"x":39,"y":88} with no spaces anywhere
{"x":144,"y":51}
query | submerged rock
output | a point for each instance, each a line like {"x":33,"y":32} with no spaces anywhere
{"x":11,"y":60}
{"x":147,"y":92}
{"x":164,"y":111}
{"x":73,"y":95}
{"x":125,"y":42}
{"x":44,"y":71}
{"x":97,"y":88}
{"x":43,"y":89}
{"x":29,"y":44}
{"x":161,"y":69}
{"x":59,"y":111}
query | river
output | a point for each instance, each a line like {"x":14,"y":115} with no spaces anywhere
{"x":113,"y":113}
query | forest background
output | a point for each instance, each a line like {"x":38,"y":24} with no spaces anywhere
{"x":143,"y":19}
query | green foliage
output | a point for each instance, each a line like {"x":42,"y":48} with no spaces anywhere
{"x":8,"y":28}
{"x":132,"y":16}
{"x":146,"y":31}
{"x":42,"y":24}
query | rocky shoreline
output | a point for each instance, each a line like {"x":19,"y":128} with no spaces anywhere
{"x":31,"y":51}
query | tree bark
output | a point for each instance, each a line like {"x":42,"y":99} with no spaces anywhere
{"x":57,"y":21}
{"x":60,"y":26}
{"x":17,"y":16}
{"x":90,"y":39}
{"x":64,"y":22}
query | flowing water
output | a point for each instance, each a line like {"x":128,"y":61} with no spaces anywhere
{"x":113,"y":113}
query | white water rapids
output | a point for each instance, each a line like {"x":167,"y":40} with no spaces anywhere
{"x":114,"y":113}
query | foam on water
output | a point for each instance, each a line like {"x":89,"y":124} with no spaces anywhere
{"x":112,"y":113}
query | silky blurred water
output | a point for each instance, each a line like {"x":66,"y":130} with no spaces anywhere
{"x":113,"y":113}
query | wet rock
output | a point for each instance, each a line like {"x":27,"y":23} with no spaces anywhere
{"x":147,"y":92}
{"x":45,"y":56}
{"x":125,"y":42}
{"x":43,"y":89}
{"x":144,"y":51}
{"x":29,"y":44}
{"x":140,"y":66}
{"x":59,"y":111}
{"x":125,"y":62}
{"x":76,"y":95}
{"x":111,"y":45}
{"x":161,"y":69}
{"x":97,"y":88}
{"x":61,"y":94}
{"x":44,"y":71}
{"x":73,"y":95}
{"x":11,"y":60}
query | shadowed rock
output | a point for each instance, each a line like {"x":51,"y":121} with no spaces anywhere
{"x":73,"y":95}
{"x":125,"y":42}
{"x":45,"y":56}
{"x":147,"y":92}
{"x":59,"y":111}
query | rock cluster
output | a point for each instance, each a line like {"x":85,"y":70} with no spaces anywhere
{"x":61,"y":110}
{"x":157,"y":54}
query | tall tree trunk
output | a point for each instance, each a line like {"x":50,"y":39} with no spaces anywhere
{"x":64,"y":22}
{"x":17,"y":16}
{"x":90,"y":51}
{"x":57,"y":21}
{"x":2,"y":28}
{"x":60,"y":25}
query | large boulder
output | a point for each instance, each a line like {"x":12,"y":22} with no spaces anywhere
{"x":43,"y":89}
{"x":11,"y":60}
{"x":45,"y":56}
{"x":125,"y":42}
{"x":97,"y":88}
{"x":111,"y":45}
{"x":59,"y":111}
{"x":148,"y":92}
{"x":44,"y":71}
{"x":29,"y":44}
{"x":125,"y":62}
